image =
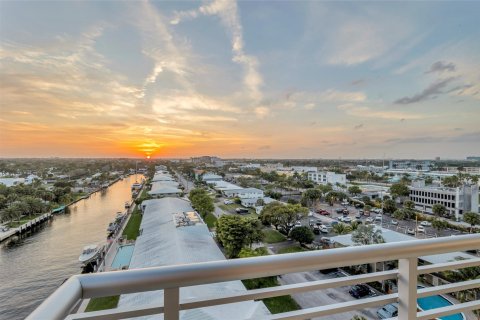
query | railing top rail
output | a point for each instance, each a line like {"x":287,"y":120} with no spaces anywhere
{"x":147,"y":279}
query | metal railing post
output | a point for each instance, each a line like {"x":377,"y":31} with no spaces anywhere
{"x":171,"y":303}
{"x":407,"y":289}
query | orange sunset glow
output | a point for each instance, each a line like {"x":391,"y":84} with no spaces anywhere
{"x":137,"y":79}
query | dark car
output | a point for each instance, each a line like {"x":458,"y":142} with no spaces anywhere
{"x":241,"y":210}
{"x":339,"y":210}
{"x":359,"y":291}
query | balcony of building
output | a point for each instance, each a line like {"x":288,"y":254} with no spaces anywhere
{"x":170,"y":280}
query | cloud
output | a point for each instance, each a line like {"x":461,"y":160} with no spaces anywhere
{"x":262,"y":112}
{"x":366,"y":112}
{"x":432,"y":90}
{"x":264,"y":148}
{"x":358,"y":126}
{"x":358,"y":82}
{"x":441,"y":66}
{"x":227,"y":10}
{"x":467,"y":137}
{"x":309,"y":100}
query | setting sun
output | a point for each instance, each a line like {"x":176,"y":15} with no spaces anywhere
{"x":148,"y":157}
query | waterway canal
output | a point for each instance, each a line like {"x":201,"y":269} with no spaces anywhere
{"x":35,"y":266}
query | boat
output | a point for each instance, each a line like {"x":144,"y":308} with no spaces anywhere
{"x":89,"y":253}
{"x":136,"y":186}
{"x":112,"y":227}
{"x":127,"y":204}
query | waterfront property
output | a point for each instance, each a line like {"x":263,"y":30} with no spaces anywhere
{"x":164,"y":189}
{"x":123,"y":256}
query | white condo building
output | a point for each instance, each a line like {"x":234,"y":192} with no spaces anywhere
{"x":327,"y":177}
{"x":456,"y":200}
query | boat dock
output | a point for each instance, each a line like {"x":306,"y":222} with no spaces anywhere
{"x":25,"y":227}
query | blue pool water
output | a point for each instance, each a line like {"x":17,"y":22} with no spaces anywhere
{"x":434,"y":302}
{"x":123,"y":256}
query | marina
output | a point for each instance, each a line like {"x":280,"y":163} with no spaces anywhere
{"x":33,"y":267}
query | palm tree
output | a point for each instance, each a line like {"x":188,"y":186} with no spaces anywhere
{"x":342,"y":228}
{"x":366,"y":235}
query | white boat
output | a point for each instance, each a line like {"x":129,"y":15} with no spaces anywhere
{"x":89,"y":253}
{"x":136,"y":186}
{"x":127,"y":204}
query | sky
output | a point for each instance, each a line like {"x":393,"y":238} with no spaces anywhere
{"x":250,"y":79}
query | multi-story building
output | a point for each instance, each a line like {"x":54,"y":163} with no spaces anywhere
{"x":456,"y":200}
{"x":327,"y":177}
{"x":421,"y":165}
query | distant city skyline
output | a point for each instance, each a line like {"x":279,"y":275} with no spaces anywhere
{"x":291,"y":80}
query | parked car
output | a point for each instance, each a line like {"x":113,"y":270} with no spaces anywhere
{"x":316,"y":229}
{"x":358,"y":216}
{"x":326,"y":240}
{"x":318,"y":222}
{"x":361,"y":212}
{"x":333,"y":223}
{"x":359,"y":291}
{"x":426,"y":224}
{"x":298,"y":224}
{"x":241,"y":210}
{"x":339,"y":210}
{"x":227,"y":201}
{"x":323,"y":229}
{"x":346,"y":219}
{"x":323,"y":212}
{"x":421,"y":229}
{"x":311,"y":222}
{"x":378,"y":217}
{"x":394,"y":222}
{"x":369,"y":220}
{"x":388,"y":311}
{"x":310,"y":213}
{"x":411,"y":231}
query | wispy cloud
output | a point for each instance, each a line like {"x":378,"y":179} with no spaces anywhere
{"x":227,"y":10}
{"x":366,"y":112}
{"x":431,"y":91}
{"x":441,"y":66}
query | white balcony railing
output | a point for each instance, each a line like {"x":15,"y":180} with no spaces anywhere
{"x":61,"y":303}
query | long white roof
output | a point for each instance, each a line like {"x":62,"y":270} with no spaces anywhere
{"x":164,"y":187}
{"x":164,"y":244}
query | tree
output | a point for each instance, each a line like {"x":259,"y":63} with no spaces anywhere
{"x":389,"y":206}
{"x":310,"y":197}
{"x":439,"y":224}
{"x":428,"y":180}
{"x":439,"y":210}
{"x":399,"y":190}
{"x":367,"y":208}
{"x":399,"y":214}
{"x":409,"y":204}
{"x":268,"y":215}
{"x":201,"y":201}
{"x":342,"y":228}
{"x":366,"y":235}
{"x":235,"y":232}
{"x":355,"y":190}
{"x":451,"y":182}
{"x":472,"y":218}
{"x":303,"y":235}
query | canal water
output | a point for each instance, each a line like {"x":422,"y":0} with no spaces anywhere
{"x":36,"y":265}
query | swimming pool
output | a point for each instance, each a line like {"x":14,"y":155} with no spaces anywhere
{"x":123,"y":256}
{"x":434,"y":302}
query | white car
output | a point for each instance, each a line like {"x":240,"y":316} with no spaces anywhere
{"x":310,"y":213}
{"x":298,"y":224}
{"x":394,"y":222}
{"x":227,"y":202}
{"x":426,"y":224}
{"x":368,"y":220}
{"x":346,"y":219}
{"x":411,"y":231}
{"x":323,"y":229}
{"x":421,"y":229}
{"x":378,"y":217}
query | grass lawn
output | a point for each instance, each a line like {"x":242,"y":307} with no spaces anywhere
{"x":231,"y":208}
{"x":292,"y":249}
{"x":273,"y":236}
{"x":18,"y":223}
{"x":281,"y":304}
{"x":133,"y":226}
{"x":275,"y":304}
{"x":102,"y":303}
{"x":210,"y":220}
